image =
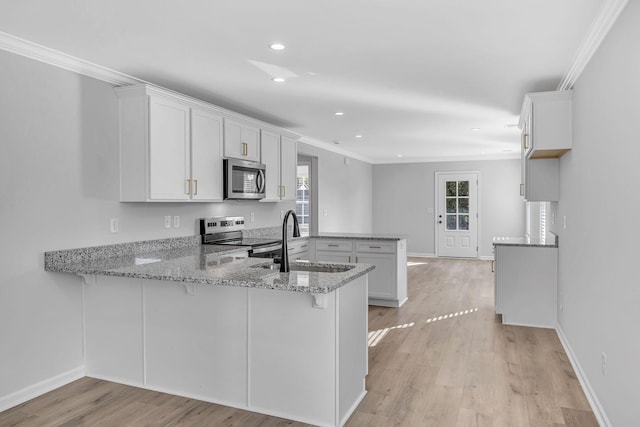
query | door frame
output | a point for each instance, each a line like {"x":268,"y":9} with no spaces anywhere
{"x":436,"y":200}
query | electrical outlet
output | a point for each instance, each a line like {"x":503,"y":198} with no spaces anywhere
{"x":564,"y":222}
{"x":167,"y":221}
{"x":113,"y":224}
{"x":604,"y":364}
{"x":176,"y":221}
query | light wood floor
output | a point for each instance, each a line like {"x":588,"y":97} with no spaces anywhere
{"x":443,"y":359}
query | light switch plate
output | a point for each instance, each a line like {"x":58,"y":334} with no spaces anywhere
{"x":113,"y":224}
{"x":167,"y":221}
{"x":176,"y":221}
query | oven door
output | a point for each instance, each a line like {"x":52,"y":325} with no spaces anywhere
{"x":243,"y":179}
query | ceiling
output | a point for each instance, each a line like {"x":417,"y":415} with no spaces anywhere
{"x":419,"y":80}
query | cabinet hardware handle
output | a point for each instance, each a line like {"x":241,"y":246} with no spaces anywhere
{"x":522,"y":189}
{"x":245,"y":149}
{"x":303,"y":246}
{"x":493,"y":267}
{"x":195,"y":182}
{"x":526,"y":140}
{"x":356,"y":260}
{"x":188,"y":187}
{"x":284,"y":191}
{"x":375,"y":247}
{"x":349,"y":258}
{"x":333,"y":246}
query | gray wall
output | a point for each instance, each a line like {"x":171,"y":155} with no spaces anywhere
{"x":344,"y":192}
{"x":598,"y":254}
{"x":403,"y":193}
{"x":59,"y":189}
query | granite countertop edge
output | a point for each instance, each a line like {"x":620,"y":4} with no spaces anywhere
{"x":174,"y":260}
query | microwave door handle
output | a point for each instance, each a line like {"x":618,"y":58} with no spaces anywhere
{"x":261,"y":185}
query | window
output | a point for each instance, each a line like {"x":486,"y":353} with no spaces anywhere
{"x":303,"y":195}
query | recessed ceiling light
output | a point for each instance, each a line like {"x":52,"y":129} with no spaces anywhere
{"x":475,"y":129}
{"x":278,"y":79}
{"x":399,"y":155}
{"x":339,"y":113}
{"x":358,"y":136}
{"x":277,"y":46}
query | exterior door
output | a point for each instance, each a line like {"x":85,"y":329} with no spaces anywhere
{"x":457,"y":214}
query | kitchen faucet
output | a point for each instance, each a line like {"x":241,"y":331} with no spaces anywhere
{"x":284,"y":253}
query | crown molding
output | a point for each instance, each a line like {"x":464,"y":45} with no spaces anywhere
{"x":600,"y":27}
{"x":59,"y":59}
{"x":332,"y":148}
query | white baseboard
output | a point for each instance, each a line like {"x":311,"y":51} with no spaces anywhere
{"x":420,"y":255}
{"x":486,"y":258}
{"x":40,"y":388}
{"x":596,"y":407}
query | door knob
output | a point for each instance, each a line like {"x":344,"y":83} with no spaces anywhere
{"x":439,"y":216}
{"x":439,"y":222}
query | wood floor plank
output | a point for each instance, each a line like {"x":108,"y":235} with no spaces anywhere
{"x":444,"y":359}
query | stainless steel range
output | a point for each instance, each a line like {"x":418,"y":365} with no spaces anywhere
{"x":227,"y":230}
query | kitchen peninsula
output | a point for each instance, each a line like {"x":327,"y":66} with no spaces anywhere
{"x":206,"y":322}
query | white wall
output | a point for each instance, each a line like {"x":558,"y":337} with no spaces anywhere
{"x":59,"y":189}
{"x":403,"y":193}
{"x":344,"y":192}
{"x":598,"y":254}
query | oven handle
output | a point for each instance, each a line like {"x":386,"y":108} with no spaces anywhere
{"x":261,"y":184}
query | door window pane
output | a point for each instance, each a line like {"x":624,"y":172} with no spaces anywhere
{"x":451,"y":205}
{"x":451,"y":188}
{"x":451,"y":222}
{"x":463,"y":188}
{"x":463,"y":222}
{"x":463,"y":205}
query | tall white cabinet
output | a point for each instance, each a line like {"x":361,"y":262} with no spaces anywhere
{"x":170,"y":147}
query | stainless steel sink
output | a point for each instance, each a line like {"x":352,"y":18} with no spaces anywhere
{"x":316,"y":268}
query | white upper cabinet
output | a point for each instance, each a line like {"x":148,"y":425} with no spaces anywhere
{"x":549,"y":124}
{"x":206,"y":155}
{"x":288,"y":168}
{"x":169,"y":170}
{"x":280,"y":155}
{"x":241,"y":140}
{"x":170,"y":148}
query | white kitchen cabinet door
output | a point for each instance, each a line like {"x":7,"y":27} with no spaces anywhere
{"x":382,"y":280}
{"x":241,"y":141}
{"x":168,"y":149}
{"x":270,"y":157}
{"x":280,"y":155}
{"x":206,"y":156}
{"x":288,"y":168}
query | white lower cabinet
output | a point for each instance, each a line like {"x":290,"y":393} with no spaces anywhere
{"x":388,"y":281}
{"x":526,"y":285}
{"x":262,"y":350}
{"x":298,"y":250}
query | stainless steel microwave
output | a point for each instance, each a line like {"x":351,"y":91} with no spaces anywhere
{"x":243,"y":179}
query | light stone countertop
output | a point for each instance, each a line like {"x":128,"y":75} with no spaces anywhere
{"x":359,"y":236}
{"x":205,"y":264}
{"x":536,"y":242}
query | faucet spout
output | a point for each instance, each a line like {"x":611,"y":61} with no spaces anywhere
{"x":284,"y":253}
